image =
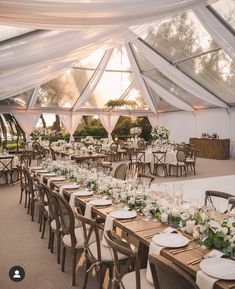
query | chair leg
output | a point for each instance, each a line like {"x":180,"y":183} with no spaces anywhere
{"x":101,"y":274}
{"x":28,"y":205}
{"x":43,"y":226}
{"x":50,"y":237}
{"x":32,"y":210}
{"x":52,"y":241}
{"x":74,"y":255}
{"x":26,"y":199}
{"x":63,"y":258}
{"x":21,"y":195}
{"x":58,"y":248}
{"x":86,"y":274}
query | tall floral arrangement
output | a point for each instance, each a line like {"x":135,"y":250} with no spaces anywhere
{"x":135,"y":131}
{"x":160,"y":133}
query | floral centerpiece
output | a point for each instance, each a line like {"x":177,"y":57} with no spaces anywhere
{"x":161,"y":134}
{"x":137,"y":202}
{"x":135,"y":131}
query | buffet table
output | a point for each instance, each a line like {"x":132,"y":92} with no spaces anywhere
{"x":211,"y":148}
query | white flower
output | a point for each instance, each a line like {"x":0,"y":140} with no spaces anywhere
{"x":185,"y":216}
{"x":224,"y":230}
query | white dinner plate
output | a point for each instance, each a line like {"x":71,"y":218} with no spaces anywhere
{"x":59,"y":179}
{"x":71,"y":186}
{"x":123,"y":214}
{"x":83,"y":193}
{"x":100,"y":202}
{"x":219,"y":268}
{"x":42,"y":171}
{"x":49,"y":175}
{"x":170,"y":240}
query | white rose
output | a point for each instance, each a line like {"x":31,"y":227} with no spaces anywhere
{"x":224,"y":230}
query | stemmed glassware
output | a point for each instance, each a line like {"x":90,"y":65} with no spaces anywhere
{"x":231,"y":208}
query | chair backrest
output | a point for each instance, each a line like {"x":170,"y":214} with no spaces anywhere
{"x":159,"y":157}
{"x":66,"y":217}
{"x":52,"y":204}
{"x":53,"y":154}
{"x":25,"y":158}
{"x":6,"y":163}
{"x":121,"y":143}
{"x":120,"y":172}
{"x":90,"y":229}
{"x":114,"y":147}
{"x":145,"y":179}
{"x":167,"y":275}
{"x":28,"y":181}
{"x":209,"y":195}
{"x":181,"y":156}
{"x":141,"y":144}
{"x":119,"y":246}
{"x":36,"y":145}
{"x":140,"y":157}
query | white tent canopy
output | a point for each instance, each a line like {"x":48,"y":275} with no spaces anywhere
{"x":173,"y":58}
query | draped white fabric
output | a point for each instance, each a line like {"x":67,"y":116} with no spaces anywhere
{"x":109,"y":122}
{"x":64,"y":14}
{"x":70,"y":122}
{"x":217,"y":30}
{"x":167,"y":96}
{"x":94,"y":80}
{"x":20,"y":80}
{"x":140,"y":82}
{"x":153,"y":120}
{"x":27,"y":121}
{"x":50,"y":47}
{"x":177,"y":76}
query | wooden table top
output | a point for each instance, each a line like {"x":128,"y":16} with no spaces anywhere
{"x":144,"y":230}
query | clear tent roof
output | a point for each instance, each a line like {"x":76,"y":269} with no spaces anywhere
{"x":181,"y":39}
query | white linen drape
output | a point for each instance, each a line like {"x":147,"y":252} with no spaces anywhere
{"x":139,"y":81}
{"x":64,"y":14}
{"x":94,"y":79}
{"x":167,"y":96}
{"x":217,"y":30}
{"x":177,"y":76}
{"x":27,"y":121}
{"x":70,"y":122}
{"x":109,"y":122}
{"x":153,"y":120}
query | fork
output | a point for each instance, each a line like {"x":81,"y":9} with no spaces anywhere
{"x":176,"y":251}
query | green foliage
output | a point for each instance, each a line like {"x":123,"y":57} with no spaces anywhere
{"x":215,"y":240}
{"x":92,"y":131}
{"x":118,"y":103}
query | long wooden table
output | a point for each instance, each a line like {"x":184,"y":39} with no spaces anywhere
{"x":82,"y":157}
{"x":142,"y":231}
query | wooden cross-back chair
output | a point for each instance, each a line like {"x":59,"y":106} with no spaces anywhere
{"x":120,"y":172}
{"x":97,"y":255}
{"x":209,"y":195}
{"x":167,"y":275}
{"x":6,"y":168}
{"x":123,"y":278}
{"x":159,"y":160}
{"x":72,"y":237}
{"x":145,"y":179}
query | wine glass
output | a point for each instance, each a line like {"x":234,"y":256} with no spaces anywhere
{"x":231,"y":208}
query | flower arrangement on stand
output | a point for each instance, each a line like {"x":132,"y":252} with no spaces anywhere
{"x":135,"y":131}
{"x":160,"y":134}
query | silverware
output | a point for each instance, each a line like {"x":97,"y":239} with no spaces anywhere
{"x":176,"y":251}
{"x":197,"y":260}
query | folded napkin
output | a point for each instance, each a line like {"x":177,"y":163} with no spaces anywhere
{"x":108,"y":225}
{"x":72,"y":199}
{"x":55,"y":179}
{"x":156,"y":249}
{"x":87,"y":213}
{"x":46,"y":175}
{"x":205,"y":281}
{"x":68,"y":186}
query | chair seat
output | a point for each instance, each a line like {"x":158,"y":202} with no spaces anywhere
{"x":53,"y":224}
{"x":106,"y":163}
{"x":190,"y":160}
{"x":177,"y":164}
{"x":106,"y":253}
{"x":129,"y":280}
{"x":79,"y":237}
